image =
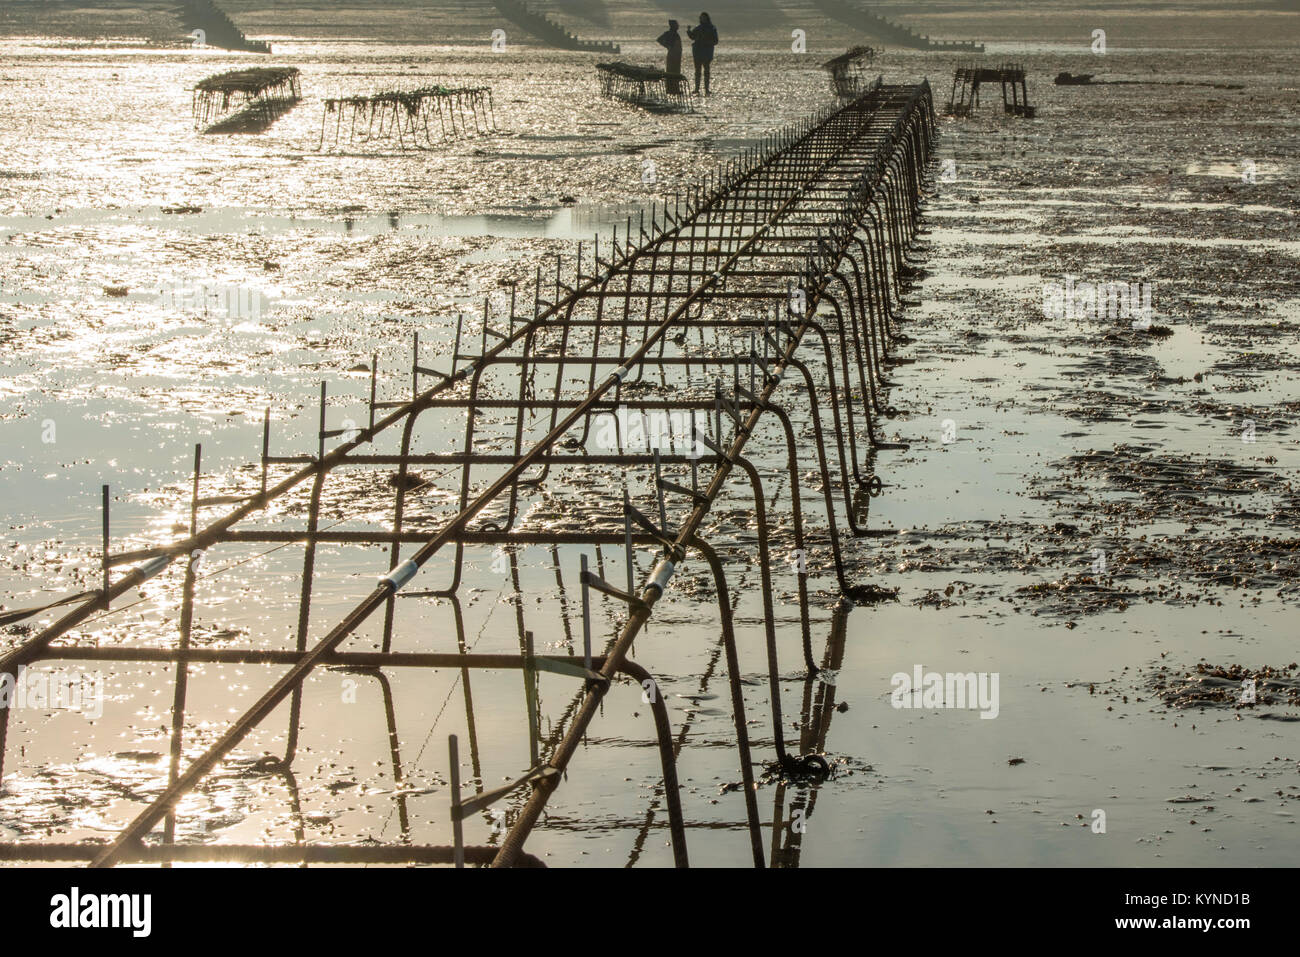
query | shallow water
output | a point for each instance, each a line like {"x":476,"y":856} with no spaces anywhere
{"x":352,"y":253}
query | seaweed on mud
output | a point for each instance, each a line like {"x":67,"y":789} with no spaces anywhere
{"x":1171,"y":569}
{"x":953,"y":595}
{"x":1096,"y":364}
{"x":1169,"y":487}
{"x":1083,"y":595}
{"x":1224,"y":686}
{"x":825,"y":768}
{"x":870,"y":594}
{"x":1136,"y":468}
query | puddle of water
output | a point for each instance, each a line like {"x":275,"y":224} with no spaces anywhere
{"x":579,"y":221}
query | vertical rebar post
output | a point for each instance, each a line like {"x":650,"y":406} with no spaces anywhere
{"x":320,"y":436}
{"x":457,"y":827}
{"x":374,"y":376}
{"x":627,"y":543}
{"x":530,"y":698}
{"x":104,"y":507}
{"x":266,"y":445}
{"x":586,"y":617}
{"x":415,"y":364}
{"x":659,"y":495}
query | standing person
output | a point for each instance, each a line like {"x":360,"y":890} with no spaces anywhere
{"x":672,"y":40}
{"x":703,"y":39}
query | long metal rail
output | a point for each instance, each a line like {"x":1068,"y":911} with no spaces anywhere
{"x":805,"y":235}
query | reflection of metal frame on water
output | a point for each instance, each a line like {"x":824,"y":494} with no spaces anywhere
{"x":645,"y":87}
{"x":245,"y":100}
{"x":793,"y":257}
{"x":412,"y":117}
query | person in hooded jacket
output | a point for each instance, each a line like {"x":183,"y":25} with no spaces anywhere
{"x":704,"y":38}
{"x":671,"y":39}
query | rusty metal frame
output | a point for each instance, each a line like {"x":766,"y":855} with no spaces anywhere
{"x":814,"y":221}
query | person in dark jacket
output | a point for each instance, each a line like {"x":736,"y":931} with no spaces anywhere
{"x":703,"y":39}
{"x":672,"y":41}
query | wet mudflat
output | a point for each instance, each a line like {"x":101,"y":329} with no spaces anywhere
{"x":1112,"y":519}
{"x":1082,"y":508}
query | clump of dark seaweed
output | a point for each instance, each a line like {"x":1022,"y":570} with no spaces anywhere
{"x":1227,"y":686}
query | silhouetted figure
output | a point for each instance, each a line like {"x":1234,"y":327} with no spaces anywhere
{"x":703,"y":39}
{"x":672,"y":41}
